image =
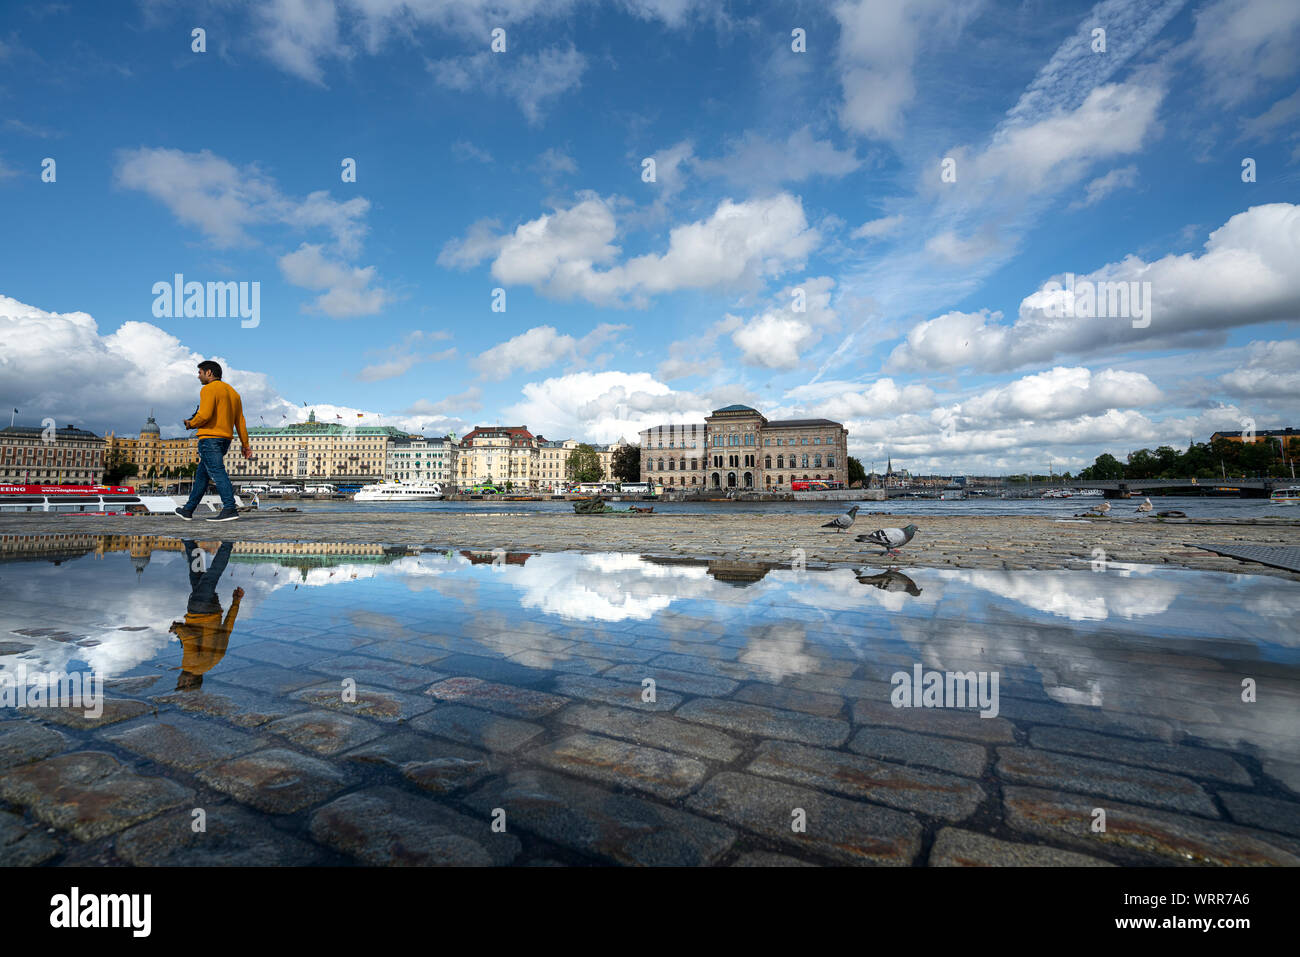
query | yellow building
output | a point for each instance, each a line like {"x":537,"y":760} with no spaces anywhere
{"x":312,"y":451}
{"x":151,"y":454}
{"x":496,"y":455}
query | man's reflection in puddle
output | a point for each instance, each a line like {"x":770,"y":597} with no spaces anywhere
{"x":203,"y":634}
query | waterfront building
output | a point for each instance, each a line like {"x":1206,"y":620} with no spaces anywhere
{"x":420,"y":458}
{"x":31,"y":455}
{"x":552,"y":462}
{"x":738,"y":447}
{"x":312,"y":451}
{"x":153,"y":456}
{"x":496,"y":455}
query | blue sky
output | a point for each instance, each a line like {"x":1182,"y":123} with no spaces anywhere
{"x":925,"y":326}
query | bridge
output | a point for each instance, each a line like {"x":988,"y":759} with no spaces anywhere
{"x":1117,"y":488}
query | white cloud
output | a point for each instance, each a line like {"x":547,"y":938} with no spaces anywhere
{"x":1273,"y":369}
{"x":297,"y":34}
{"x":877,"y":228}
{"x":1246,"y":275}
{"x":530,"y":79}
{"x":540,"y":347}
{"x":347,"y":289}
{"x":465,"y":150}
{"x":756,"y":162}
{"x":1123,"y":178}
{"x":777,"y":337}
{"x":740,"y":244}
{"x":1062,"y":393}
{"x":877,"y":49}
{"x":603,"y":406}
{"x":1243,"y":45}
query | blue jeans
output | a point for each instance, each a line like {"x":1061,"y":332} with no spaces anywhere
{"x":211,"y":466}
{"x":203,"y":585}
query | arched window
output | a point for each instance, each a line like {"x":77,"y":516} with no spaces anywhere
{"x":830,"y":461}
{"x":767,"y":461}
{"x":780,"y":480}
{"x":661,"y":465}
{"x":672,"y":464}
{"x":682,"y":466}
{"x":780,"y":461}
{"x":695,"y":464}
{"x":804,"y":463}
{"x":817,"y":461}
{"x":693,"y":478}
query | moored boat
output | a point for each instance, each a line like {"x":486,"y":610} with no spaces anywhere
{"x":399,"y":492}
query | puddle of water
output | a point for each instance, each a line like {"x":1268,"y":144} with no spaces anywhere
{"x":741,"y":656}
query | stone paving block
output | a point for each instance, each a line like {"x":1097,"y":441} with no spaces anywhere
{"x":621,"y":764}
{"x":375,"y":671}
{"x":336,"y":642}
{"x":841,"y":686}
{"x":233,"y":837}
{"x":24,"y":741}
{"x":1158,"y":836}
{"x":387,"y":827}
{"x":619,"y":828}
{"x":114,"y":710}
{"x":89,"y":793}
{"x":768,"y":859}
{"x":283,"y":654}
{"x":674,"y":680}
{"x":1268,"y":813}
{"x":390,"y":707}
{"x":247,"y":709}
{"x":621,"y":693}
{"x":276,"y":780}
{"x":944,"y":722}
{"x":506,"y":699}
{"x":474,"y":727}
{"x":954,"y":847}
{"x":1087,"y":719}
{"x":653,"y":729}
{"x":1067,"y":772}
{"x":847,"y":831}
{"x":763,"y":722}
{"x":23,"y":845}
{"x":791,"y":699}
{"x":570,"y":664}
{"x":324,"y":732}
{"x":960,"y":757}
{"x":1196,"y":762}
{"x":433,"y":764}
{"x":265,"y":678}
{"x":704,"y":665}
{"x":409,"y":652}
{"x":493,"y":669}
{"x":139,"y":684}
{"x":181,"y":742}
{"x":909,"y":789}
{"x":614,"y":652}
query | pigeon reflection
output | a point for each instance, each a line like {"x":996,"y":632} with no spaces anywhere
{"x":890,"y":580}
{"x":203,"y":634}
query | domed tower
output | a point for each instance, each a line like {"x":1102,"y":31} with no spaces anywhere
{"x":150,"y":428}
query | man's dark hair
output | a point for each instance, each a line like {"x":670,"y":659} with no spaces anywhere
{"x":208,"y":365}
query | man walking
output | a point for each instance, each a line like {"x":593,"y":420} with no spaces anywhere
{"x":219,"y":413}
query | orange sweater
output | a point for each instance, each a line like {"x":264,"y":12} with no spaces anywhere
{"x":204,"y":639}
{"x":220,"y":412}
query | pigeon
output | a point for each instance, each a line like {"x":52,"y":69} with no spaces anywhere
{"x":891,"y":539}
{"x":1146,"y":505}
{"x":843,"y":522}
{"x":889,"y":580}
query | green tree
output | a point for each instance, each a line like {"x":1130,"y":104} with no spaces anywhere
{"x":117,"y":470}
{"x":626,"y":463}
{"x":583,"y":464}
{"x":1106,"y":467}
{"x":857,"y":474}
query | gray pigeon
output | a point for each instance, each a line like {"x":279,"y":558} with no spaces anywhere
{"x":843,"y":522}
{"x":889,"y":580}
{"x":890,"y":539}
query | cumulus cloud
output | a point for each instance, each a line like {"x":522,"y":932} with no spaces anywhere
{"x":603,"y":406}
{"x":347,"y":291}
{"x":777,"y":337}
{"x":1246,"y":275}
{"x":60,"y":365}
{"x":1062,"y":393}
{"x":1272,"y":370}
{"x":540,"y":347}
{"x":558,"y":253}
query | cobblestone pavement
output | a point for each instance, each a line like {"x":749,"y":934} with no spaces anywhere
{"x":943,"y":541}
{"x":470,"y":717}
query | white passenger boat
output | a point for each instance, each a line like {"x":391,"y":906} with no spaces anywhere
{"x":399,"y":492}
{"x":95,"y":500}
{"x":1285,"y":496}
